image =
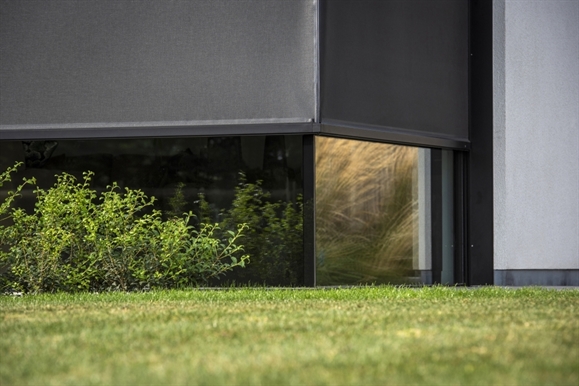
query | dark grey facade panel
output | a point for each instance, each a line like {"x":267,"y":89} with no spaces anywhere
{"x":396,"y":63}
{"x":70,"y":62}
{"x":480,"y":181}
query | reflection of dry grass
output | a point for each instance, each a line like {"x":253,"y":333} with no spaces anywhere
{"x":364,"y":211}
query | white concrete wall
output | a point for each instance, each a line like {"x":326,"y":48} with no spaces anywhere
{"x":536,"y":134}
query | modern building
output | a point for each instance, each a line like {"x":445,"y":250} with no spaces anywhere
{"x":424,"y":141}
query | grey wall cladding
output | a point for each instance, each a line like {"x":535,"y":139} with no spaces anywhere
{"x":397,"y":63}
{"x":64,"y":62}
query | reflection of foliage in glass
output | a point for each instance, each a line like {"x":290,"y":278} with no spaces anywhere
{"x":177,"y":202}
{"x":274,"y":239}
{"x":364,"y":211}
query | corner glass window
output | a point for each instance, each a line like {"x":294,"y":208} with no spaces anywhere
{"x":378,"y":213}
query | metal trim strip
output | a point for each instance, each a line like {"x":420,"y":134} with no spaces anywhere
{"x":162,"y":129}
{"x":390,"y":134}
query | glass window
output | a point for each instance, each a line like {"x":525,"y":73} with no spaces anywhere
{"x":383,"y":213}
{"x":226,"y":180}
{"x":374,"y":213}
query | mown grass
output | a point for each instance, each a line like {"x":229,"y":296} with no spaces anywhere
{"x":370,"y":335}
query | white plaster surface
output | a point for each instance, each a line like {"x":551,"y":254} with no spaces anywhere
{"x":536,"y":134}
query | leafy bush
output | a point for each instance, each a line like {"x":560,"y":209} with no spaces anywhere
{"x":77,"y":240}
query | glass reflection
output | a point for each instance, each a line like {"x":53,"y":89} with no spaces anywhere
{"x":367,"y":213}
{"x":226,"y":180}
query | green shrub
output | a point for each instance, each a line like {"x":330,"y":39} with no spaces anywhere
{"x":77,"y":240}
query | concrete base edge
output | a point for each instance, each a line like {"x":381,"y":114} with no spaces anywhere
{"x":543,"y":277}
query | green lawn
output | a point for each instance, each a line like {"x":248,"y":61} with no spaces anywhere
{"x":371,"y":335}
